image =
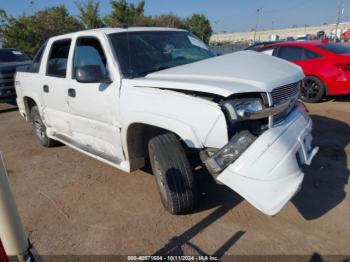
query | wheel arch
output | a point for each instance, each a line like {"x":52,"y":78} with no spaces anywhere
{"x":323,"y":82}
{"x":29,"y":103}
{"x":136,"y":135}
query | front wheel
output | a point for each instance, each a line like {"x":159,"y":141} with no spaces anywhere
{"x":312,"y":90}
{"x":173,"y":173}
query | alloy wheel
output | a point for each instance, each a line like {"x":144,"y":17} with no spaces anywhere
{"x":310,"y":89}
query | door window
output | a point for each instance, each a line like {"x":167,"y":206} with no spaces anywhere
{"x":57,"y":62}
{"x":291,"y":53}
{"x":89,"y":52}
{"x":311,"y":54}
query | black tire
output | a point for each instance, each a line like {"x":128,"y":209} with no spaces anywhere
{"x":173,"y":174}
{"x":39,"y":129}
{"x":312,"y":90}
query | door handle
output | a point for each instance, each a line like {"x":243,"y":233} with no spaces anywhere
{"x":46,"y":88}
{"x":71,"y":92}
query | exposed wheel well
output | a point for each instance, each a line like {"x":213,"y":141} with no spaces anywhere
{"x":28,"y":103}
{"x":138,"y":136}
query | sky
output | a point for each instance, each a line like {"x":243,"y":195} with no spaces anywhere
{"x":225,"y":15}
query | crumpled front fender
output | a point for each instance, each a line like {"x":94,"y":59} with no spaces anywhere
{"x":267,"y":174}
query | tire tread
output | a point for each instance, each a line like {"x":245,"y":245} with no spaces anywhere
{"x":171,"y":155}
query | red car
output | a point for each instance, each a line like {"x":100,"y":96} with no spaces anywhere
{"x":326,"y":66}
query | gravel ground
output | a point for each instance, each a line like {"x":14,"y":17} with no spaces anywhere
{"x":73,"y":204}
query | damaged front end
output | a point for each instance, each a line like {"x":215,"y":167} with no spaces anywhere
{"x":270,"y":136}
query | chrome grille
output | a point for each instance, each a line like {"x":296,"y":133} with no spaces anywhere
{"x":6,"y":78}
{"x":7,"y":82}
{"x":283,"y":93}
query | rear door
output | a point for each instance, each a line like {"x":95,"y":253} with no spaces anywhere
{"x":55,"y":87}
{"x":94,"y":106}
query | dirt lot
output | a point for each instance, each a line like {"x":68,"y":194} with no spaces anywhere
{"x":73,"y":204}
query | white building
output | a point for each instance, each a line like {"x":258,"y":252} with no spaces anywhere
{"x":265,"y":35}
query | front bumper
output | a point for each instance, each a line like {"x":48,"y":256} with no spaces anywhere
{"x":267,"y":174}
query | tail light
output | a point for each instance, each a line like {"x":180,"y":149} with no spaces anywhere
{"x":3,"y":256}
{"x":343,"y":66}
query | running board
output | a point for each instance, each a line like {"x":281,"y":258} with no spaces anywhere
{"x":112,"y":160}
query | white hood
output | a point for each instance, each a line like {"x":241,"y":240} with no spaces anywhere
{"x":240,"y":72}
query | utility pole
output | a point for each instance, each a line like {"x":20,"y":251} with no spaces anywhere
{"x":340,"y":10}
{"x":257,"y":22}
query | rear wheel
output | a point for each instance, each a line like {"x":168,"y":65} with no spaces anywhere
{"x":173,"y":173}
{"x":312,"y":90}
{"x":39,"y":129}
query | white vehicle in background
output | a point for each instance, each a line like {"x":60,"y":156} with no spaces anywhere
{"x":274,"y":37}
{"x":127,"y":95}
{"x":302,"y":37}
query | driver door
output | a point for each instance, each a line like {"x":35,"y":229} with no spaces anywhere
{"x":94,"y":106}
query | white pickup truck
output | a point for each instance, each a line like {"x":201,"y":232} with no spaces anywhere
{"x":126,"y":95}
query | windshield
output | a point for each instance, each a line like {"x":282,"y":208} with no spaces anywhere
{"x":12,"y":55}
{"x":140,"y":53}
{"x":336,"y":48}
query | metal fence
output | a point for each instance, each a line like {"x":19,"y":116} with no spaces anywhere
{"x":226,"y":49}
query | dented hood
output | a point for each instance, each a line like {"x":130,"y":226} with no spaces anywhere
{"x":240,"y":72}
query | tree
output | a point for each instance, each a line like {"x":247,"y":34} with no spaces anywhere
{"x":124,"y":13}
{"x":2,"y":14}
{"x":143,"y":21}
{"x":200,"y":26}
{"x":28,"y":33}
{"x":89,"y":13}
{"x":169,"y":20}
{"x":3,"y":19}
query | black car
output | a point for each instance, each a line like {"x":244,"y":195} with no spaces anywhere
{"x":10,"y":60}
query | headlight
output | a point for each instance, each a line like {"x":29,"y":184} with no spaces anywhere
{"x":229,"y":153}
{"x":243,"y":108}
{"x":253,"y":108}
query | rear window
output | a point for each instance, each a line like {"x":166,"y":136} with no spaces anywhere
{"x":335,"y":48}
{"x":34,"y":67}
{"x":12,"y":55}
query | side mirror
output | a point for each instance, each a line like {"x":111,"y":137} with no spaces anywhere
{"x":91,"y":74}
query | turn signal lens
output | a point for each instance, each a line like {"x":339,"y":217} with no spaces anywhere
{"x":230,"y":152}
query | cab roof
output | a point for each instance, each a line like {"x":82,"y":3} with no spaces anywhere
{"x":112,"y":30}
